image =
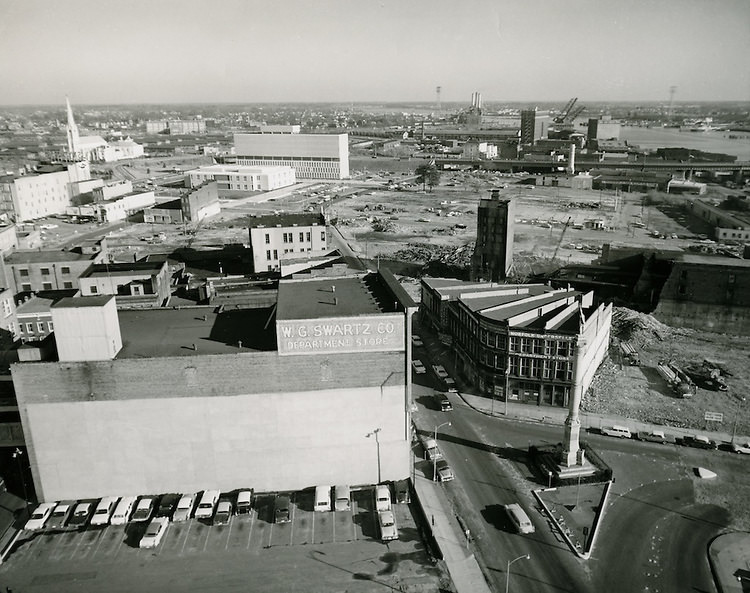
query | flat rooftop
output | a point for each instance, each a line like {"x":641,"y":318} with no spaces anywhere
{"x":286,"y":220}
{"x":125,"y":269}
{"x":155,"y":333}
{"x":40,"y":257}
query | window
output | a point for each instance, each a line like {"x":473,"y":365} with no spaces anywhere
{"x":268,"y":239}
{"x":323,"y":236}
{"x":309,"y":236}
{"x":526,"y":345}
{"x":29,"y":328}
{"x":275,"y":254}
{"x":94,"y":290}
{"x":538,"y":346}
{"x":67,"y":285}
{"x":46,"y":286}
{"x":268,"y":254}
{"x":513,"y":344}
{"x":524,"y":367}
{"x":23,"y":273}
{"x":7,"y":307}
{"x":40,"y":326}
{"x":562,"y":349}
{"x":301,"y":237}
{"x":50,"y":327}
{"x":45,"y":271}
{"x":25,"y":287}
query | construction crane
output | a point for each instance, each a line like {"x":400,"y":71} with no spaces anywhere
{"x":576,"y":112}
{"x":565,"y":228}
{"x":563,"y":115}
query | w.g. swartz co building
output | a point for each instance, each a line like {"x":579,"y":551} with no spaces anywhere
{"x":532,"y":342}
{"x":312,"y":391}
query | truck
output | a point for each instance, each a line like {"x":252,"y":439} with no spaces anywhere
{"x":677,"y":379}
{"x":630,"y":354}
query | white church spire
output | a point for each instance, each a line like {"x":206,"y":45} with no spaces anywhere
{"x":73,"y":140}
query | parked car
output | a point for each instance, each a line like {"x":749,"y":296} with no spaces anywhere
{"x":104,"y":510}
{"x":417,"y":341}
{"x":431,"y":447}
{"x":123,"y":510}
{"x":80,"y":515}
{"x":622,"y":432}
{"x":440,"y":371}
{"x":60,"y":515}
{"x":403,"y":495}
{"x":184,"y":508}
{"x":244,"y":501}
{"x":39,"y":516}
{"x":155,"y":531}
{"x":419,"y":368}
{"x":656,"y":436}
{"x":443,"y":470}
{"x":167,"y":504}
{"x":382,"y":498}
{"x":342,"y":498}
{"x":698,"y":441}
{"x":143,"y":509}
{"x":450,"y":383}
{"x":223,"y":513}
{"x":387,"y":523}
{"x":737,"y":448}
{"x":282,"y":509}
{"x":207,"y":504}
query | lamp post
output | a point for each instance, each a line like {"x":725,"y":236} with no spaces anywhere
{"x":507,"y":373}
{"x":507,"y":569}
{"x":377,"y":445}
{"x":17,"y":454}
{"x":434,"y":461}
{"x":736,"y":417}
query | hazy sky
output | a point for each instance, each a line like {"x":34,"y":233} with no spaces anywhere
{"x":155,"y":51}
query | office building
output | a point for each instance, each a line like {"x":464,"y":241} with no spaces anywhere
{"x":493,"y":254}
{"x":524,"y":342}
{"x":534,"y":125}
{"x":272,"y":238}
{"x":176,"y":126}
{"x":312,"y":156}
{"x":233,"y":180}
{"x":180,"y":400}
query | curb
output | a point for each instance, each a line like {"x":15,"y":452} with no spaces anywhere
{"x":567,"y":539}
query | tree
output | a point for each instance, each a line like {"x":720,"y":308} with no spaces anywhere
{"x":428,"y":174}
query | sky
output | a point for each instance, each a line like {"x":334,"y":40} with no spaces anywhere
{"x":249,"y":51}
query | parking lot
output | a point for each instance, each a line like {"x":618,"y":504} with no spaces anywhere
{"x":97,"y":559}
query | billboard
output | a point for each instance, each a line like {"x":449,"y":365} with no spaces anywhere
{"x":373,"y":333}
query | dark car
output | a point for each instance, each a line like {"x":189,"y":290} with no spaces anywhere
{"x":167,"y":505}
{"x":81,"y":515}
{"x":699,"y":442}
{"x":403,"y":495}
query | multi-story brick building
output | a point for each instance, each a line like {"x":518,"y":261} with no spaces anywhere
{"x":274,"y":237}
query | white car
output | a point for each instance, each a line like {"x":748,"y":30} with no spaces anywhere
{"x":40,"y":516}
{"x":736,"y":447}
{"x":387,"y":522}
{"x":416,"y":340}
{"x":154,"y":532}
{"x":104,"y":510}
{"x":431,"y":447}
{"x":443,"y":470}
{"x":440,"y":371}
{"x":143,"y":510}
{"x":184,"y":508}
{"x":419,"y":368}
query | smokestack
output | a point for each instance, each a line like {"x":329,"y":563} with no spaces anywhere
{"x":572,"y":160}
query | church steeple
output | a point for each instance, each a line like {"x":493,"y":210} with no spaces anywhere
{"x":73,"y":142}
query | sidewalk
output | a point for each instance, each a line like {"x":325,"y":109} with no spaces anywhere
{"x":729,"y":555}
{"x":550,"y":415}
{"x":462,"y":565}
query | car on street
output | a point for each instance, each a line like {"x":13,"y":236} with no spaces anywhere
{"x":104,"y":510}
{"x":741,"y":448}
{"x":154,"y":532}
{"x":416,"y":341}
{"x":81,"y":514}
{"x":39,"y":516}
{"x":449,"y":382}
{"x":419,"y":368}
{"x":431,"y":447}
{"x":143,"y":509}
{"x":60,"y":515}
{"x":622,"y":432}
{"x":442,"y":402}
{"x":443,"y":470}
{"x":387,"y":523}
{"x":223,"y":513}
{"x":440,"y":371}
{"x":403,"y":496}
{"x":655,"y":436}
{"x":167,"y":504}
{"x":184,"y":508}
{"x":698,"y":441}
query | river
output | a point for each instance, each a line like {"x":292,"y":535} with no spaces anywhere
{"x":711,"y":141}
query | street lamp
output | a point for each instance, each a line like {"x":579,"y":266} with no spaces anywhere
{"x":507,"y":569}
{"x":17,"y":454}
{"x":507,"y":373}
{"x":377,"y":445}
{"x":434,"y":461}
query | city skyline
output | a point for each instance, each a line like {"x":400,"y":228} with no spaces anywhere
{"x":333,"y":51}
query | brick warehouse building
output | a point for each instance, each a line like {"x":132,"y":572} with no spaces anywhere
{"x":533,"y":342}
{"x":277,"y":398}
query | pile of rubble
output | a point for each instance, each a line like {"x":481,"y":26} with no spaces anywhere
{"x":640,"y":328}
{"x":425,"y":253}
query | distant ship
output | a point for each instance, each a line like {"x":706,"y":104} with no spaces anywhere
{"x":700,"y":125}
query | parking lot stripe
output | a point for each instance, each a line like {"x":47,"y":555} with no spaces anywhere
{"x":187,"y":535}
{"x":98,"y":542}
{"x":250,"y":535}
{"x":208,"y":536}
{"x":229,"y":534}
{"x":75,"y":549}
{"x":355,"y":510}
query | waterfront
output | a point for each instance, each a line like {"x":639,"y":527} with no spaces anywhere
{"x":711,"y":141}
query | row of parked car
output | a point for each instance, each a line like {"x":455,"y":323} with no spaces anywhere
{"x":658,"y":436}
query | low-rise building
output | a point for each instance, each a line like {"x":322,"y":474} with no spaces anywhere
{"x":274,"y":237}
{"x":135,"y":284}
{"x":234,"y":179}
{"x":165,"y":213}
{"x":728,"y":224}
{"x":201,"y":202}
{"x":527,"y":343}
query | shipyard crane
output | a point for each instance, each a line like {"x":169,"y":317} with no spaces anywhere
{"x":565,"y":228}
{"x":576,"y":112}
{"x":563,"y":116}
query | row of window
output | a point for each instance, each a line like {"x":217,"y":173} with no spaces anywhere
{"x":24,"y":272}
{"x":45,"y":286}
{"x":41,"y":327}
{"x":520,"y":366}
{"x":276,"y":252}
{"x":304,"y":237}
{"x":525,"y":345}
